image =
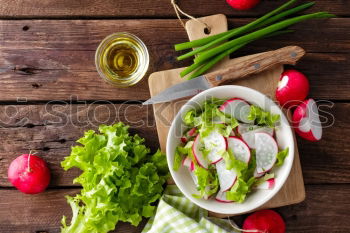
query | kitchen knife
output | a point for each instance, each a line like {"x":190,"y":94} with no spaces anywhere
{"x":286,"y":55}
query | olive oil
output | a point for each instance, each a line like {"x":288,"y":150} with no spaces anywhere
{"x":122,"y":59}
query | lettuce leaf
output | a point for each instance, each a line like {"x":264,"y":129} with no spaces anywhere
{"x":206,"y":119}
{"x":121,"y":180}
{"x":178,"y":158}
{"x":262,"y":117}
{"x":240,"y":189}
{"x":245,"y":176}
{"x":208,"y":182}
{"x":232,"y":163}
{"x":281,"y":156}
{"x":266,"y":177}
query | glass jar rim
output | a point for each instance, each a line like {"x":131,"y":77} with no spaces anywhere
{"x":101,"y":48}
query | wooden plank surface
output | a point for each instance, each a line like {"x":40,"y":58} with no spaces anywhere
{"x":321,"y":35}
{"x":54,"y":60}
{"x":52,"y":130}
{"x":43,"y":60}
{"x":325,"y":205}
{"x":145,"y":8}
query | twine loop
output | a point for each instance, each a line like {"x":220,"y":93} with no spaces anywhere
{"x":178,"y":12}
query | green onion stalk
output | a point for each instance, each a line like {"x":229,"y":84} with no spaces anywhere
{"x":212,"y":62}
{"x":260,"y":33}
{"x":212,"y":49}
{"x":231,"y":33}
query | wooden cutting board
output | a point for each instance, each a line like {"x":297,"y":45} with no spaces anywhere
{"x":293,"y":190}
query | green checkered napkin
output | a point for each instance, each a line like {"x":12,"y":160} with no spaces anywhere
{"x":175,"y":213}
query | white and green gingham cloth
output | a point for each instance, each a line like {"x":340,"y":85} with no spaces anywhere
{"x":177,"y":214}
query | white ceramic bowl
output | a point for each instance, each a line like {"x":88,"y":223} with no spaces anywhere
{"x":256,"y":198}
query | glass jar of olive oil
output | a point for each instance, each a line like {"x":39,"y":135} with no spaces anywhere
{"x":122,"y":59}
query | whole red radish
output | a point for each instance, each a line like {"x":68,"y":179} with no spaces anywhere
{"x":306,"y":121}
{"x":29,"y":174}
{"x":267,"y":221}
{"x":242,"y":4}
{"x":293,"y":88}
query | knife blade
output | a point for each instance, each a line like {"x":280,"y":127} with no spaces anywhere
{"x":181,"y":90}
{"x":256,"y":64}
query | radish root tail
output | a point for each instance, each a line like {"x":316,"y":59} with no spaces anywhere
{"x":30,"y":153}
{"x":242,"y":230}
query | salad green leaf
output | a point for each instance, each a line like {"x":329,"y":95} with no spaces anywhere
{"x":232,"y":163}
{"x":121,"y":180}
{"x":245,"y":176}
{"x":240,"y":189}
{"x":209,"y":117}
{"x":177,"y":160}
{"x":208,"y":182}
{"x":262,"y":117}
{"x":266,"y":177}
{"x":281,"y":156}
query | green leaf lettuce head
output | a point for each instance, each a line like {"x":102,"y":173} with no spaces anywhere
{"x":121,"y":180}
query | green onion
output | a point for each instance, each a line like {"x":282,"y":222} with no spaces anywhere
{"x":203,"y":41}
{"x":284,"y":14}
{"x":215,"y":60}
{"x":235,"y":32}
{"x":258,"y":34}
{"x":219,"y":57}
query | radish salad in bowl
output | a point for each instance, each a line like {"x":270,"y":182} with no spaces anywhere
{"x":229,"y":150}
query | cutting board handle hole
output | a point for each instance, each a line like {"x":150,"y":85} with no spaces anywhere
{"x":207,"y":30}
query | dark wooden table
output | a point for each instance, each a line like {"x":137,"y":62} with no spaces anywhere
{"x":50,"y":93}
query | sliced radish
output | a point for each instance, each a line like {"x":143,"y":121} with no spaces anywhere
{"x":215,"y":143}
{"x":198,"y":155}
{"x":256,"y":174}
{"x":237,"y":108}
{"x":266,"y":152}
{"x":186,"y":162}
{"x":194,"y":178}
{"x":307,"y":122}
{"x":192,"y":132}
{"x":189,"y":135}
{"x":239,"y":148}
{"x":268,"y":184}
{"x":249,"y":137}
{"x":227,"y":178}
{"x":221,"y":197}
{"x":243,"y":128}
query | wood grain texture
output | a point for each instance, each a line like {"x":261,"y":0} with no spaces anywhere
{"x":53,"y":133}
{"x":321,"y":35}
{"x":324,"y":206}
{"x":42,"y":212}
{"x":255,"y":65}
{"x":54,"y":59}
{"x":51,"y":130}
{"x":146,"y":8}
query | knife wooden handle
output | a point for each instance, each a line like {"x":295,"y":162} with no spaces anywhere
{"x":286,"y":55}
